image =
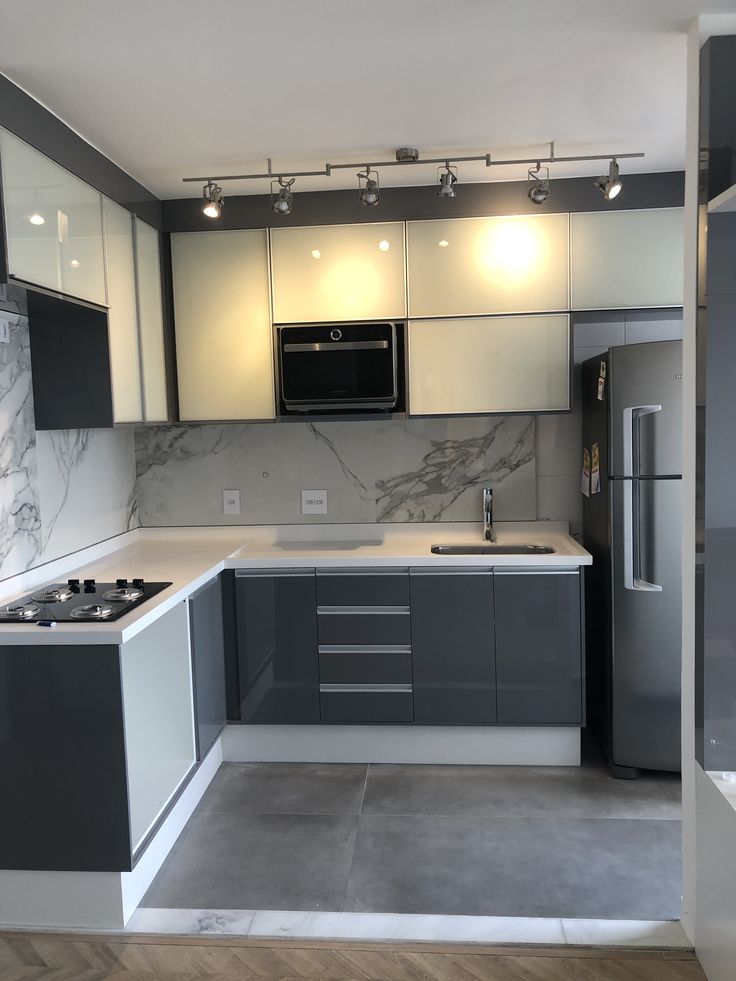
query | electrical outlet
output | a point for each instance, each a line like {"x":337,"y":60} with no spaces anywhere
{"x":231,"y":502}
{"x":4,"y":331}
{"x":314,"y":502}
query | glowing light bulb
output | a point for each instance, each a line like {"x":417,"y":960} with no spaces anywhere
{"x":443,"y":243}
{"x":37,"y":219}
{"x":75,"y":263}
{"x":316,"y":254}
{"x":383,"y":245}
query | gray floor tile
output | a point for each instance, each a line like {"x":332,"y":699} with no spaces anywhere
{"x":286,"y":788}
{"x":517,"y":867}
{"x":505,"y":791}
{"x":228,"y":860}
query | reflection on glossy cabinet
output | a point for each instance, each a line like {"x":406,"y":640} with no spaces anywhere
{"x":123,"y":315}
{"x":473,"y":266}
{"x":489,"y":364}
{"x":338,"y":272}
{"x":151,"y":322}
{"x":53,"y":223}
{"x":223,"y":325}
{"x":627,"y":259}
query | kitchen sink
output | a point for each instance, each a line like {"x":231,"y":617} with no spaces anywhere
{"x":492,"y":548}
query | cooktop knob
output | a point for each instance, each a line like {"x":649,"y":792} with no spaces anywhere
{"x":73,"y":585}
{"x":89,"y":585}
{"x":121,"y":583}
{"x":139,"y":583}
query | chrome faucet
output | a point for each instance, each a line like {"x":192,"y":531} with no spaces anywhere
{"x":489,"y":532}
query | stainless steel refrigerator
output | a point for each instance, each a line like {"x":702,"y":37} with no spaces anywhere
{"x":632,"y":400}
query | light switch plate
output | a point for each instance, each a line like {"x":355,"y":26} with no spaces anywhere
{"x":231,"y":502}
{"x":4,"y":331}
{"x":314,"y":502}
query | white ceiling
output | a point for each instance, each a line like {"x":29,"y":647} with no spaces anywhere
{"x":174,"y":88}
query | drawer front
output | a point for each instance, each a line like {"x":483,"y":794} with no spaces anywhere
{"x":363,"y":589}
{"x":379,"y":627}
{"x":366,"y":704}
{"x":365,"y":667}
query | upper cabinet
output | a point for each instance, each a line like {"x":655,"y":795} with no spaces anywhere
{"x":338,"y":272}
{"x":223,"y":325}
{"x":151,"y":322}
{"x":53,"y":224}
{"x":627,"y":259}
{"x":473,"y":266}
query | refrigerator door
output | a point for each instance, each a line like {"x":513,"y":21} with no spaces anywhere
{"x":645,"y":402}
{"x":646,"y":572}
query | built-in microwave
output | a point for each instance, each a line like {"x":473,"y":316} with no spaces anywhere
{"x":338,"y":367}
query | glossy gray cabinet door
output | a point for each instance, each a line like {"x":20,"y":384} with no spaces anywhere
{"x":539,"y":663}
{"x":452,"y":646}
{"x":276,"y":630}
{"x":208,"y":659}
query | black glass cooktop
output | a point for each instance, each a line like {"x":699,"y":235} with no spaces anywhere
{"x":80,"y":601}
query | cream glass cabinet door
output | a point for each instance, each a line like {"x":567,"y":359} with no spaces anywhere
{"x":223,"y":325}
{"x":627,"y":259}
{"x":489,"y":364}
{"x":475,"y":266}
{"x":151,"y":322}
{"x":338,"y":272}
{"x":53,"y":224}
{"x":123,"y":314}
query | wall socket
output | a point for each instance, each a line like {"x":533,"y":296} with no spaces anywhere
{"x":314,"y":502}
{"x":231,"y":502}
{"x":4,"y":331}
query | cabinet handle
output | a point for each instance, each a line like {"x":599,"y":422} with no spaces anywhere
{"x":273,"y":573}
{"x":342,"y":689}
{"x":364,"y":648}
{"x":361,"y":610}
{"x":537,"y":572}
{"x":363,"y":572}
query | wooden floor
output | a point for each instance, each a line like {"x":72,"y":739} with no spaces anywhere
{"x":135,"y":958}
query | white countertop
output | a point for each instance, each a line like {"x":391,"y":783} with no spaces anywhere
{"x":190,"y":557}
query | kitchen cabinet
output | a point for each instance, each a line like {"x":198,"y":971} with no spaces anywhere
{"x":474,"y":266}
{"x":276,"y":641}
{"x":489,"y":364}
{"x":206,"y":629}
{"x":627,"y":259}
{"x":539,"y":663}
{"x":125,"y":369}
{"x":338,"y":273}
{"x":223,"y":325}
{"x":453,"y":647}
{"x":150,"y":322}
{"x":53,"y":224}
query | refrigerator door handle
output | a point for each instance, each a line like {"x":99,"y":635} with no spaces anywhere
{"x":631,"y":417}
{"x":632,"y":563}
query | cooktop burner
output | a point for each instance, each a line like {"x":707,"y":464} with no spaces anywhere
{"x":80,"y":601}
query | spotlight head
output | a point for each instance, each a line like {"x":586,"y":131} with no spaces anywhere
{"x":447,"y":181}
{"x":368,"y":188}
{"x":610,"y":185}
{"x":213,"y":202}
{"x":282,"y":201}
{"x":539,"y":190}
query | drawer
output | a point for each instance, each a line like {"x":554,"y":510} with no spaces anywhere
{"x":365,"y":667}
{"x":366,"y":704}
{"x":363,"y":589}
{"x":353,"y":627}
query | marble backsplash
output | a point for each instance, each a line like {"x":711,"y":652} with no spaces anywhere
{"x":373,"y":471}
{"x":61,"y":490}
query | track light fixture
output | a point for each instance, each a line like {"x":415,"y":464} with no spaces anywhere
{"x":539,"y":177}
{"x":369,"y":188}
{"x":446,"y":178}
{"x":610,"y":185}
{"x":282,"y":201}
{"x":213,"y":201}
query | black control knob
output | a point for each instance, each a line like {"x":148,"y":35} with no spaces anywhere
{"x":139,"y":583}
{"x":89,"y":586}
{"x":73,"y":585}
{"x":121,"y":583}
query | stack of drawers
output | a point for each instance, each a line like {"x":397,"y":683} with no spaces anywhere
{"x":364,"y":638}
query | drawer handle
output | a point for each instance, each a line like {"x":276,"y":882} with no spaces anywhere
{"x":364,"y":649}
{"x":377,"y":689}
{"x":363,"y":610}
{"x":347,"y":573}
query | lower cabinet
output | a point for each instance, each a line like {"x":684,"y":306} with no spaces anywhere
{"x":453,"y":647}
{"x":539,"y":656}
{"x":208,"y":661}
{"x":276,"y":642}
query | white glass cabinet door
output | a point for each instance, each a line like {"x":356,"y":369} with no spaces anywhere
{"x":489,"y":364}
{"x":122,"y":316}
{"x":53,"y":222}
{"x":223,"y":325}
{"x":627,"y":259}
{"x":338,"y":272}
{"x":474,"y":266}
{"x":151,"y":322}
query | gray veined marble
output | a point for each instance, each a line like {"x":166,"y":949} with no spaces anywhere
{"x":416,"y":470}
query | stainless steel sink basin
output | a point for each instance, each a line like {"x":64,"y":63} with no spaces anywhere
{"x":492,"y":548}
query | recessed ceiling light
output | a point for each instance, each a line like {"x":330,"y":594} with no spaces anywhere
{"x":316,"y":254}
{"x":443,"y":243}
{"x":383,"y":245}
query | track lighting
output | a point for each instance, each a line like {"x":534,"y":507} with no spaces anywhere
{"x":368,"y":186}
{"x":610,"y":186}
{"x":213,"y":202}
{"x":447,"y":178}
{"x":539,"y":190}
{"x":282,"y":201}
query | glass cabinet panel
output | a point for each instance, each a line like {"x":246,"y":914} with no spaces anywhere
{"x":123,"y":314}
{"x":489,"y":364}
{"x":53,"y":223}
{"x":338,"y":272}
{"x":474,"y":266}
{"x":151,"y":321}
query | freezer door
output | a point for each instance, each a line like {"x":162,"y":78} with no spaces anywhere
{"x":645,"y":399}
{"x":647,"y":599}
